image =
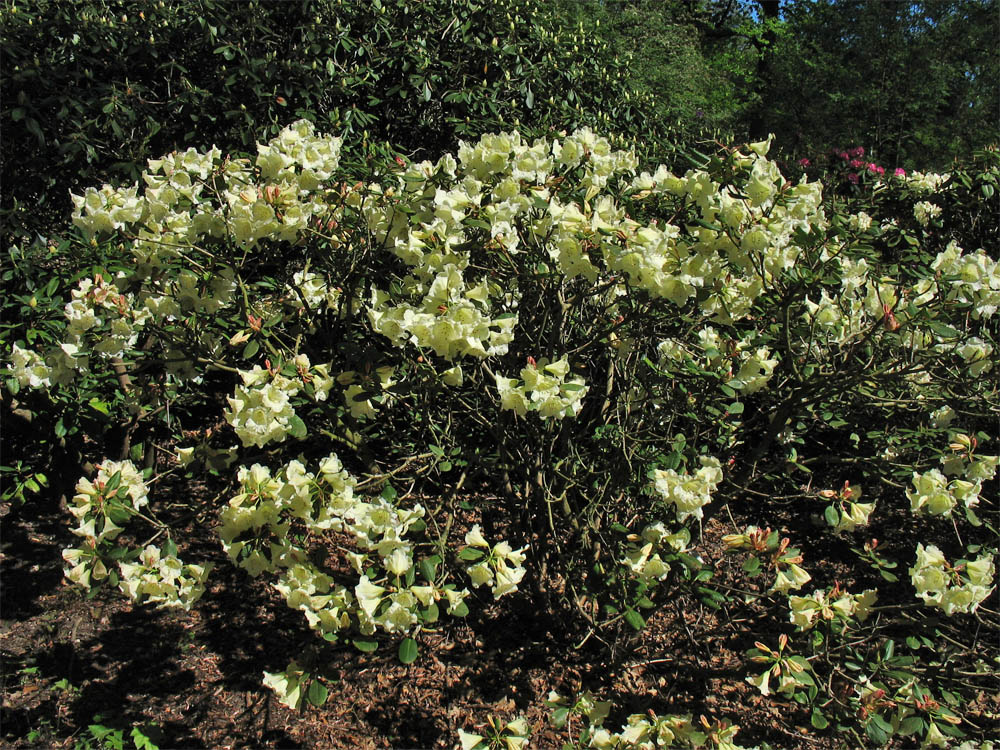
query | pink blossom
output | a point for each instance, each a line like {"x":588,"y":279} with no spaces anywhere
{"x":804,"y":162}
{"x":900,"y":172}
{"x":852,"y":178}
{"x":875,"y":168}
{"x":858,"y":151}
{"x":844,"y":155}
{"x":857,"y":163}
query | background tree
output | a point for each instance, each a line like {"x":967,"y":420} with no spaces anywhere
{"x":915,"y":83}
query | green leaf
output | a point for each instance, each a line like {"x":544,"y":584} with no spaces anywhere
{"x":251,"y":349}
{"x":878,"y":730}
{"x":689,"y":562}
{"x":142,"y":740}
{"x":634,"y":619}
{"x":736,"y":407}
{"x":559,"y":717}
{"x":804,"y":678}
{"x":170,"y":549}
{"x":365,"y":645}
{"x":98,"y":405}
{"x":114,"y":482}
{"x":32,"y":125}
{"x":297,"y":427}
{"x":706,"y":225}
{"x":471,"y":554}
{"x":943,"y":330}
{"x":832,"y":515}
{"x":529,"y":99}
{"x":408,"y":651}
{"x":428,"y":567}
{"x":911,"y":725}
{"x":136,"y":453}
{"x":318,"y":693}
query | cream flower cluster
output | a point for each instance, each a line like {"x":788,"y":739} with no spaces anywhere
{"x":93,"y":302}
{"x":689,"y":493}
{"x":500,"y":566}
{"x":255,"y":534}
{"x":789,"y":574}
{"x":924,"y":211}
{"x":103,"y":210}
{"x":188,"y":197}
{"x":288,"y":684}
{"x":260,"y":410}
{"x":105,"y":320}
{"x":513,"y":734}
{"x":970,"y":278}
{"x":850,"y":512}
{"x":935,"y":494}
{"x":102,"y":506}
{"x":163,"y":579}
{"x":832,"y":605}
{"x":744,"y":239}
{"x":959,"y":588}
{"x":313,"y":290}
{"x":543,"y":388}
{"x":645,"y":731}
{"x":643,"y":555}
{"x":860,"y":222}
{"x":866,"y":306}
{"x":451,"y":319}
{"x":926,"y":182}
{"x":30,"y":369}
{"x":358,"y":389}
{"x":745,"y":368}
{"x":193,"y":195}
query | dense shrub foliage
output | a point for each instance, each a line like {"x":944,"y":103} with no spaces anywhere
{"x":95,"y":87}
{"x":612,"y":350}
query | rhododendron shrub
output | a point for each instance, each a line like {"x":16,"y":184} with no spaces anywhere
{"x":611,"y":350}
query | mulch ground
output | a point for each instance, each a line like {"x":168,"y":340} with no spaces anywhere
{"x":68,"y":659}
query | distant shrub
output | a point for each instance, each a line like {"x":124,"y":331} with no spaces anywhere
{"x":92,"y":88}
